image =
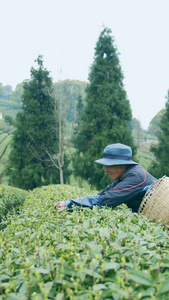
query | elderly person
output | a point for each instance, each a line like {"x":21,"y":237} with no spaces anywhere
{"x":129,"y":181}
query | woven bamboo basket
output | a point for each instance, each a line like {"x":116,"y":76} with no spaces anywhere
{"x":155,"y":203}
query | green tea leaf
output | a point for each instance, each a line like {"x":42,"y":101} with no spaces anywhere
{"x":60,"y":296}
{"x":41,"y":270}
{"x":164,"y":287}
{"x":111,"y":266}
{"x":4,"y":277}
{"x":98,"y":287}
{"x":141,"y":277}
{"x":15,"y":250}
{"x":13,"y":296}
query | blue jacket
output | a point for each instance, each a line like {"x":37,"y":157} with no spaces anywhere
{"x":128,"y":190}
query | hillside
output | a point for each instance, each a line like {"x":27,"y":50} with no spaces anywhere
{"x":9,"y":108}
{"x":5,"y":148}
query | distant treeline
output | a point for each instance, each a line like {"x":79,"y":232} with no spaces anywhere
{"x":10,"y":101}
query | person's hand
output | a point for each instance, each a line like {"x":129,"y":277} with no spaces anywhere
{"x":60,"y":204}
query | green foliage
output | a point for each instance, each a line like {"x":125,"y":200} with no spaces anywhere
{"x":5,"y":128}
{"x":107,"y":113}
{"x":36,"y":133}
{"x":2,"y":91}
{"x":3,"y":137}
{"x":138,"y":133}
{"x":160,"y":165}
{"x":16,"y":96}
{"x":84,"y":254}
{"x":5,"y":91}
{"x":7,"y":106}
{"x":144,"y":158}
{"x":5,"y":141}
{"x":9,"y":120}
{"x":71,"y":91}
{"x":154,"y":126}
{"x":10,"y":199}
{"x":8,"y":91}
{"x":4,"y":145}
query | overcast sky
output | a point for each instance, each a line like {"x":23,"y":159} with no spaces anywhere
{"x":65,"y":32}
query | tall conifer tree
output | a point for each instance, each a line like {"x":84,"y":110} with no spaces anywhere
{"x":35,"y":132}
{"x":160,"y":165}
{"x":107,"y":113}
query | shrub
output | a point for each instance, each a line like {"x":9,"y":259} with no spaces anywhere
{"x":83,"y":254}
{"x":10,"y":199}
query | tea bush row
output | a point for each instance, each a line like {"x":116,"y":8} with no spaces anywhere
{"x":84,"y":254}
{"x":4,"y":145}
{"x":2,"y":136}
{"x":10,"y":199}
{"x":5,"y":142}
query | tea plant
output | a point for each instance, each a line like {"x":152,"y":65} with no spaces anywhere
{"x":82,"y":254}
{"x":10,"y":199}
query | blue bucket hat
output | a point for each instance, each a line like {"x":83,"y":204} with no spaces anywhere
{"x":116,"y":154}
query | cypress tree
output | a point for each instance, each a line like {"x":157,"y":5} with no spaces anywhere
{"x":107,"y":113}
{"x":35,"y":133}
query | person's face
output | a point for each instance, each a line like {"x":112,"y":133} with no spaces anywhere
{"x":115,"y":172}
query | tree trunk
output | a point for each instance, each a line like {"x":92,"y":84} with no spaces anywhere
{"x":61,"y":176}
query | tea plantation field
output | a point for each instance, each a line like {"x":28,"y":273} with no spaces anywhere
{"x":83,"y":254}
{"x":5,"y":142}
